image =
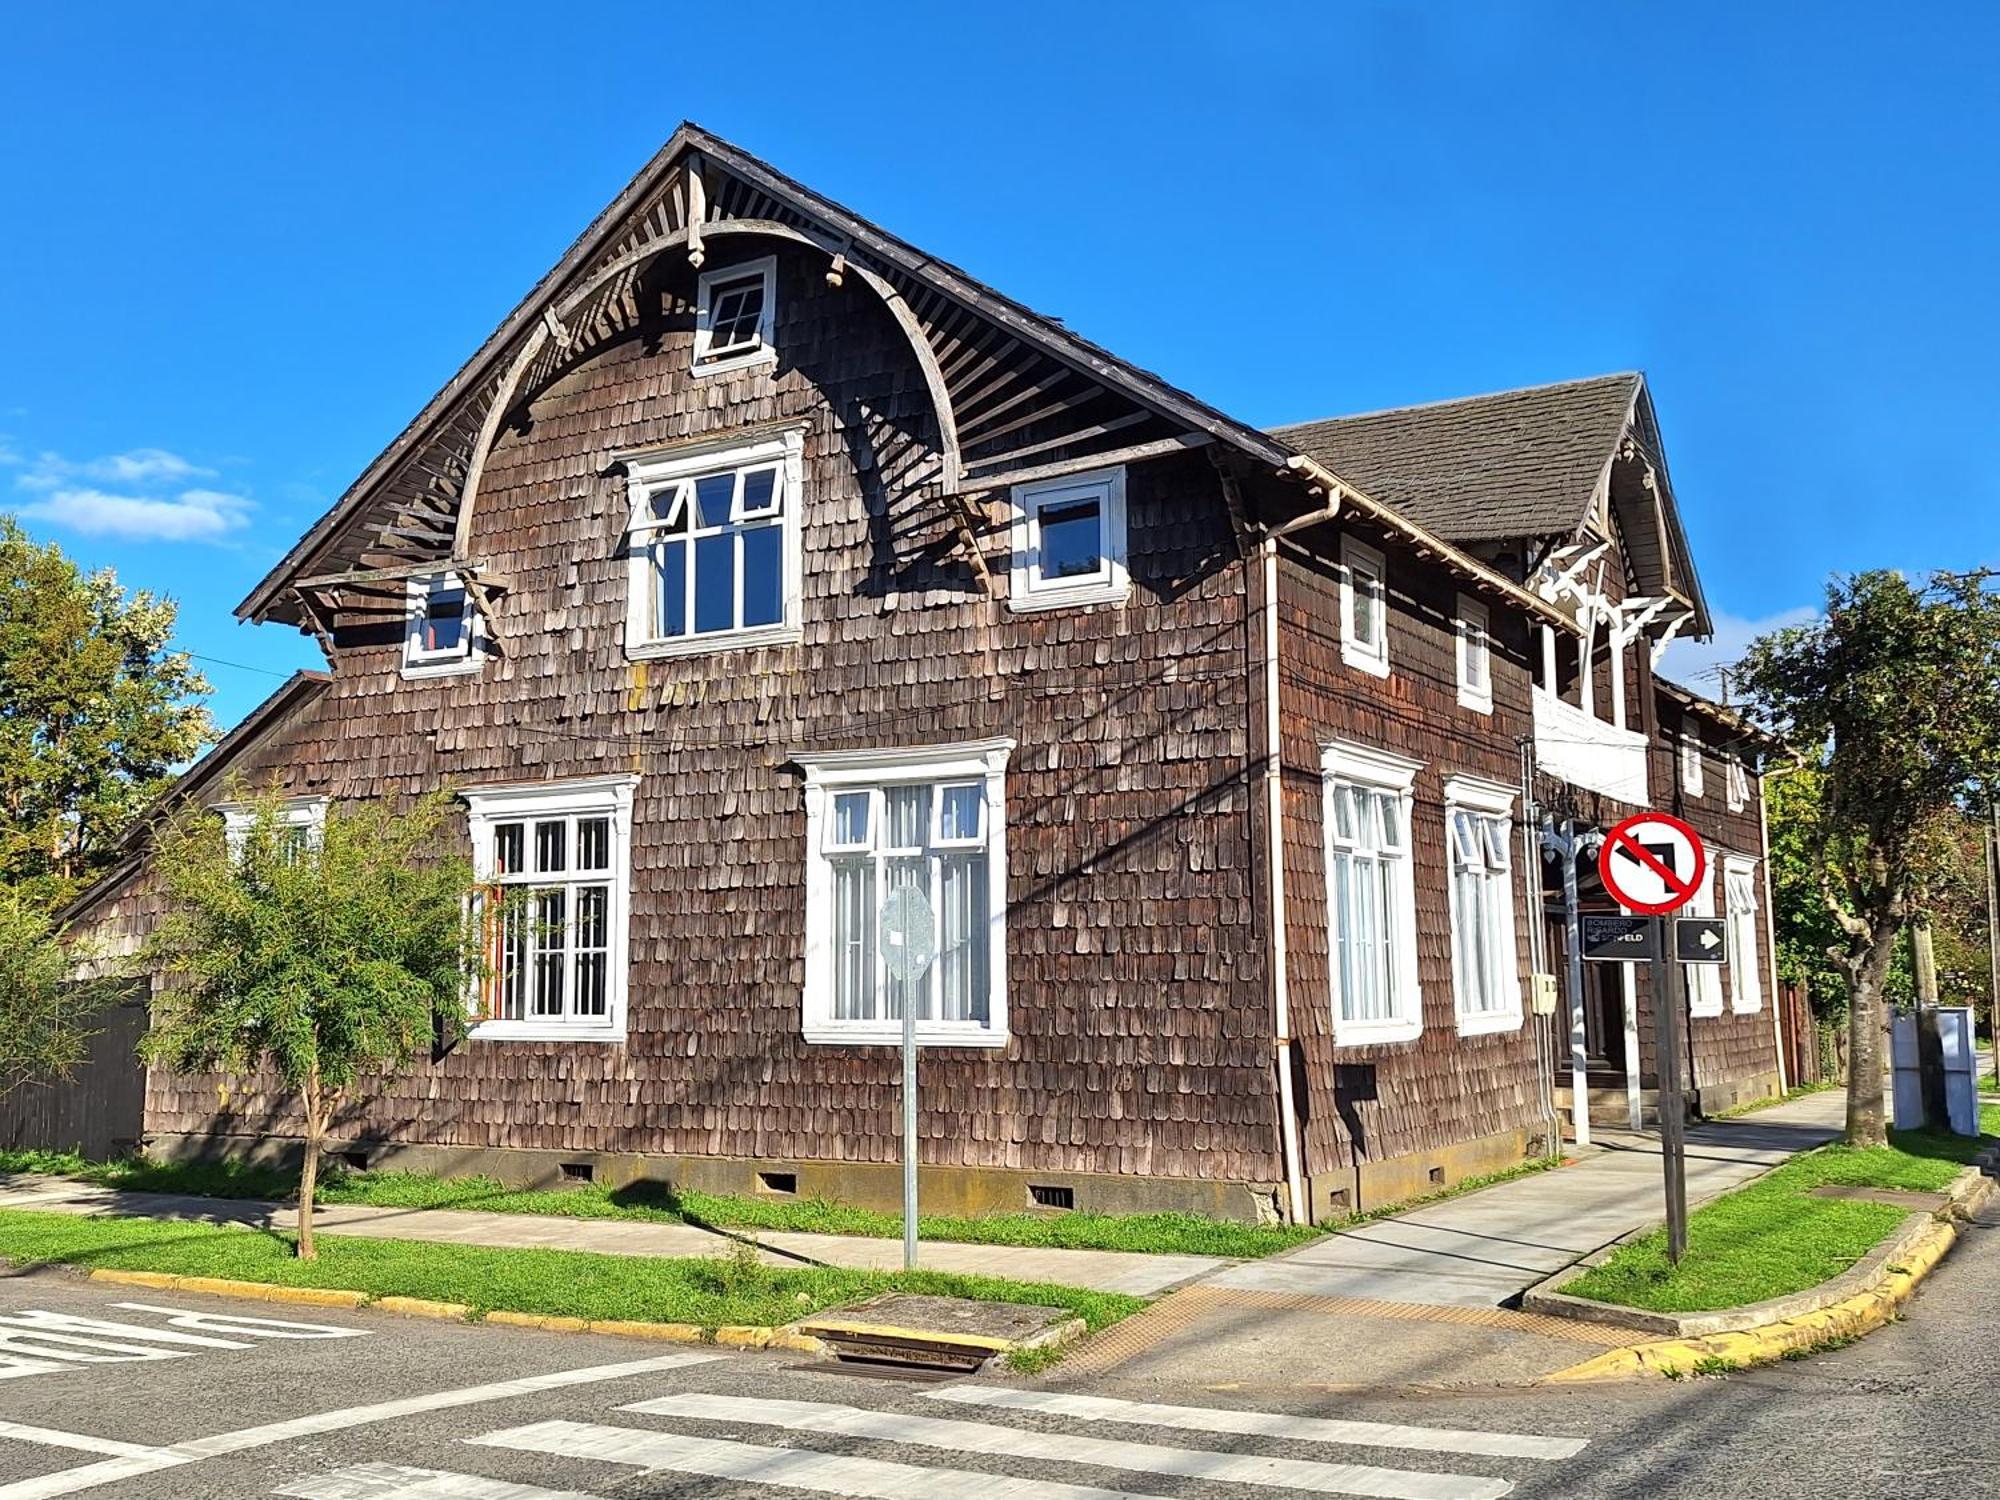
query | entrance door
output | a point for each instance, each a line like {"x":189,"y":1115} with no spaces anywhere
{"x":1603,"y":1008}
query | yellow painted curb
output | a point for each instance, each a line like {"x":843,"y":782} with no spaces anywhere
{"x":1848,"y":1318}
{"x":421,"y":1307}
{"x":260,"y":1291}
{"x":670,"y":1333}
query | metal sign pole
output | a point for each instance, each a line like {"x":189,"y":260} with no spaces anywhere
{"x":909,"y":1129}
{"x":1673,"y":1110}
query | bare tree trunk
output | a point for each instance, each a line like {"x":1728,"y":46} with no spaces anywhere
{"x":309,"y":1175}
{"x":1866,"y":1125}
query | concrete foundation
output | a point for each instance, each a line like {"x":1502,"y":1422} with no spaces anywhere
{"x":1377,"y":1184}
{"x":965,"y":1191}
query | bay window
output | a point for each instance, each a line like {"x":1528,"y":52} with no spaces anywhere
{"x":926,"y":820}
{"x":555,"y":861}
{"x":1371,"y":894}
{"x":1486,"y":975}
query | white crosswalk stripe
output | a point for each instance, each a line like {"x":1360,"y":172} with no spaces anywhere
{"x":983,"y":1438}
{"x":794,"y":1468}
{"x":394,"y":1482}
{"x":1265,"y":1424}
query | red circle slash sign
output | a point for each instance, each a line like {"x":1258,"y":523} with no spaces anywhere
{"x":1653,"y":863}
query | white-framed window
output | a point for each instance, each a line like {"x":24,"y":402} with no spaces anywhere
{"x":712,"y":546}
{"x":931,"y":819}
{"x":1364,"y":607}
{"x":299,"y":824}
{"x":1371,"y":894}
{"x":736,"y":310}
{"x":1069,"y":542}
{"x":1691,"y":758}
{"x":1737,"y":776}
{"x":1479,"y":847}
{"x":561,"y":853}
{"x":441,"y":634}
{"x":1475,"y":656}
{"x":1703,"y":981}
{"x":1739,"y":895}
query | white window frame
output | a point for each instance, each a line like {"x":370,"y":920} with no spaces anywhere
{"x":595,"y":796}
{"x":1746,"y":973}
{"x":1369,"y":656}
{"x":238,"y":818}
{"x":1472,"y":629}
{"x":1703,"y":982}
{"x":1486,"y":799}
{"x":1737,"y":778}
{"x":1376,"y":770}
{"x":766,"y":352}
{"x":467,"y":656}
{"x":1691,"y":764}
{"x":1110,"y":584}
{"x":648,"y":472}
{"x":831,"y":772}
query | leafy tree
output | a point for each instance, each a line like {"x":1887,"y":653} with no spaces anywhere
{"x":1806,"y":932}
{"x":45,"y":1010}
{"x":95,"y":714}
{"x":320,"y":960}
{"x":1893,"y":699}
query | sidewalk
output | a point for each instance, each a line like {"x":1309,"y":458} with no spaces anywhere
{"x":1097,"y":1270}
{"x":1486,"y":1248}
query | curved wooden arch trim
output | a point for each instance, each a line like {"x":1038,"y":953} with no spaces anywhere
{"x":635,"y":259}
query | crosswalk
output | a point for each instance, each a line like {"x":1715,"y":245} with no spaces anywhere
{"x":824,"y":1448}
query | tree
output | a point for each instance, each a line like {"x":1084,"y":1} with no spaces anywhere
{"x":45,"y":1009}
{"x":95,"y":714}
{"x":320,"y":960}
{"x":1893,"y":699}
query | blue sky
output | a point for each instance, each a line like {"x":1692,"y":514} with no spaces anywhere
{"x":241,"y":245}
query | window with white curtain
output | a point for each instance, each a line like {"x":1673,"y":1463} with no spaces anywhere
{"x":1364,"y":608}
{"x":1371,"y":894}
{"x":1739,"y":894}
{"x":1691,"y":762}
{"x":931,"y":820}
{"x":1703,"y":981}
{"x":1475,"y":656}
{"x":1739,"y":784}
{"x":1486,"y":971}
{"x":555,"y":858}
{"x":713,"y":547}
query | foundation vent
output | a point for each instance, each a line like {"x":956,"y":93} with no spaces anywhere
{"x":1437,"y":1176}
{"x":784,"y":1183}
{"x":1048,"y":1195}
{"x":354,"y":1161}
{"x":578,"y":1171}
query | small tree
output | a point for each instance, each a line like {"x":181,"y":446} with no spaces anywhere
{"x":320,"y":960}
{"x":45,"y":1004}
{"x":1893,"y":698}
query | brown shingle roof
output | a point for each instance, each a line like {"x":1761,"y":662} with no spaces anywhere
{"x":1484,"y":468}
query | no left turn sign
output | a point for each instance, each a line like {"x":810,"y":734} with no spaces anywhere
{"x":1653,"y":863}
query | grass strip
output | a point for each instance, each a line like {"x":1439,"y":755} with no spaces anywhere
{"x":1772,"y":1237}
{"x":559,"y":1283}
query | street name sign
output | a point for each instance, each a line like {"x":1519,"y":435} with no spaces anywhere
{"x":1619,"y":939}
{"x":1652,"y":863}
{"x":1700,"y":940}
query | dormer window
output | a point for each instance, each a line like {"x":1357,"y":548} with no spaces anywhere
{"x":1069,"y":542}
{"x":1364,"y":608}
{"x":443,"y":627}
{"x":713,"y":547}
{"x":734,"y":316}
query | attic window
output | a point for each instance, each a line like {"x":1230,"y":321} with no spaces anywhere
{"x":442,"y":627}
{"x":1069,"y":542}
{"x":734,"y":315}
{"x":1364,"y":608}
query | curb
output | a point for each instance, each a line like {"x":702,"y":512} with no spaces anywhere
{"x":735,"y":1336}
{"x":1799,"y":1323}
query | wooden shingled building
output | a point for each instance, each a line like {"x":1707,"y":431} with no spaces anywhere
{"x":760,"y":565}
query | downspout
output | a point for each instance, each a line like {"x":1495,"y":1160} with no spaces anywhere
{"x":1777,"y":1000}
{"x":1298,"y":1210}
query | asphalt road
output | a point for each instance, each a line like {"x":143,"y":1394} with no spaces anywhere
{"x":163,"y":1395}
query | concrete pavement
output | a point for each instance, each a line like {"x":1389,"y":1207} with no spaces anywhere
{"x":1099,"y":1270}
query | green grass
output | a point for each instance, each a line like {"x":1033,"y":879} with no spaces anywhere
{"x":563,"y":1283}
{"x":1772,"y":1237}
{"x":1796,"y":1091}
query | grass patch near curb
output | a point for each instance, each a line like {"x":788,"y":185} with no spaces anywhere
{"x":660,"y":1203}
{"x":1771,"y":1237}
{"x":557,"y":1283}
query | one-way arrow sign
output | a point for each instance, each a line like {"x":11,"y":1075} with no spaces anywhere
{"x":1700,"y":940}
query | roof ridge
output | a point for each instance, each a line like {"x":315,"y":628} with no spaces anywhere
{"x":1517,"y":390}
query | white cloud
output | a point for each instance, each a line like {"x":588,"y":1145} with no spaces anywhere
{"x":1698,"y":664}
{"x":142,"y":494}
{"x":190,"y":516}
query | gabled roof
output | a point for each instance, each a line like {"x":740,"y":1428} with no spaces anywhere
{"x":1483,"y":468}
